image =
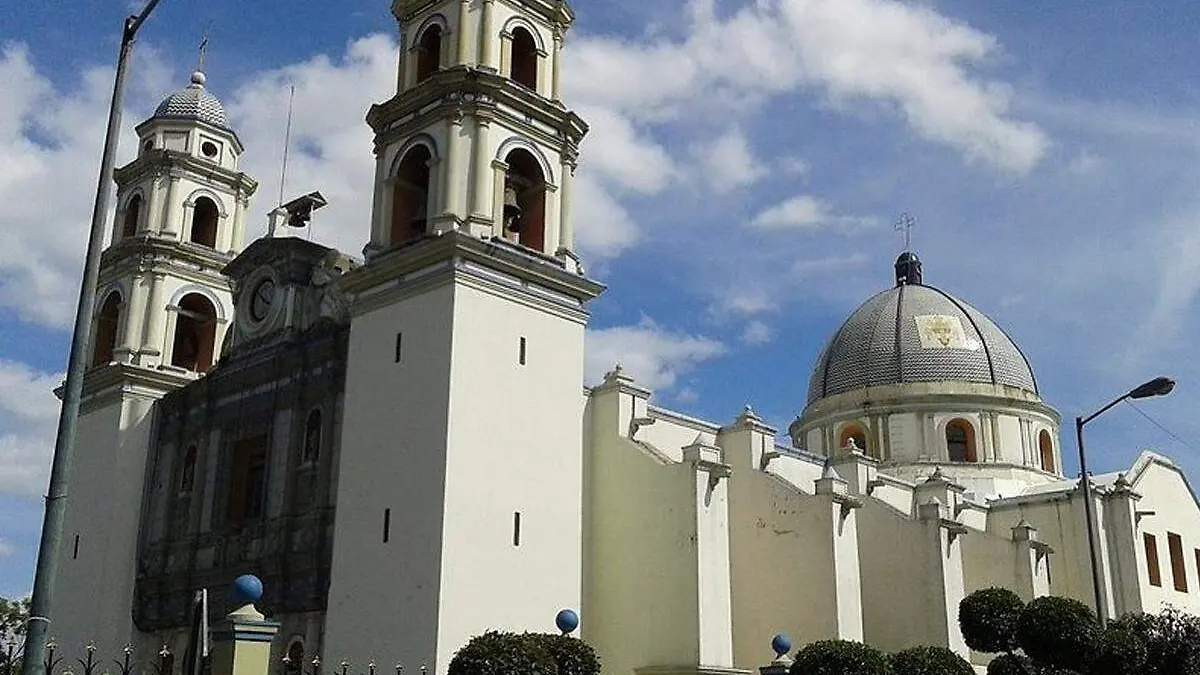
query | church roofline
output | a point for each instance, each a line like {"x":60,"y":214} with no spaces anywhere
{"x":184,"y":121}
{"x":162,"y":159}
{"x":553,"y":12}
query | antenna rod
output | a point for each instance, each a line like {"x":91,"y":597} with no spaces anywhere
{"x":37,"y":626}
{"x":287,"y":139}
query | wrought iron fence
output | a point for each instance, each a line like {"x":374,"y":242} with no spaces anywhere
{"x":316,"y":667}
{"x":90,"y":664}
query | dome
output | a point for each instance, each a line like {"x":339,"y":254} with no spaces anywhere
{"x":917,"y":333}
{"x":194,"y":103}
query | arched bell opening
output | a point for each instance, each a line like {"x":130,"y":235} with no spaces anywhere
{"x":1046,"y":448}
{"x":429,"y":52}
{"x":410,"y":196}
{"x":195,"y":334}
{"x":108,"y":322}
{"x":133,"y":213}
{"x":525,"y":199}
{"x":524,"y":58}
{"x":853,"y":433}
{"x":205,"y":216}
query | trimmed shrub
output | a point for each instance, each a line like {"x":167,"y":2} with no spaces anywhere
{"x":495,"y":653}
{"x":929,"y":661}
{"x":572,"y":656}
{"x":1059,"y":632}
{"x":1011,"y":664}
{"x":988,"y":619}
{"x":1119,"y":651}
{"x":1171,"y":640}
{"x":840,"y":657}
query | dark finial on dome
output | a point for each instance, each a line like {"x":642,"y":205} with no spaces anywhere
{"x":908,"y":269}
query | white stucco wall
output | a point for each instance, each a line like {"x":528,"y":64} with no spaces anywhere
{"x":1167,"y":506}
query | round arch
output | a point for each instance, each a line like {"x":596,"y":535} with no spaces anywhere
{"x":438,"y":20}
{"x":189,"y":289}
{"x":426,"y":140}
{"x":518,"y":142}
{"x":522,"y":22}
{"x":856,"y":431}
{"x":118,"y":287}
{"x":205,"y":192}
{"x":1046,"y":451}
{"x":960,"y":438}
{"x":136,"y":192}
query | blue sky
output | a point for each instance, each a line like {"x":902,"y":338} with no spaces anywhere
{"x":736,"y":193}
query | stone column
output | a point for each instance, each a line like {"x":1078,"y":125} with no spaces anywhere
{"x":131,"y":334}
{"x":237,"y":237}
{"x":379,"y":215}
{"x":172,"y":210}
{"x":486,"y":37}
{"x":156,"y":318}
{"x":566,"y":224}
{"x":556,"y":66}
{"x":483,"y":156}
{"x":464,"y":20}
{"x":499,"y":173}
{"x":452,"y":187}
{"x":402,"y":62}
{"x":154,"y":207}
{"x":506,"y":54}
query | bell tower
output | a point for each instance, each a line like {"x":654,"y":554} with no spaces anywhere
{"x":477,"y":138}
{"x":163,"y":306}
{"x":459,"y":495}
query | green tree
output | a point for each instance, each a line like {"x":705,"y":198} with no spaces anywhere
{"x":840,"y":657}
{"x":1169,"y":643}
{"x":13,"y":615}
{"x":988,"y":620}
{"x":1059,"y":633}
{"x":929,"y":661}
{"x":571,"y":655}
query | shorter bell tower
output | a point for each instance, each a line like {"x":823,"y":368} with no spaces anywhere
{"x":476,"y":138}
{"x":164,"y":306}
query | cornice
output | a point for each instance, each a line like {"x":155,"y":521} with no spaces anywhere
{"x":465,"y":90}
{"x":853,"y":404}
{"x":556,"y":13}
{"x":148,"y":254}
{"x":172,"y":162}
{"x":105,"y":385}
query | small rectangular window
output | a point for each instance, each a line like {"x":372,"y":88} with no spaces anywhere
{"x":1178,"y":567}
{"x":1198,"y":563}
{"x":387,"y":525}
{"x":521,"y":355}
{"x":517,"y":528}
{"x":75,"y":551}
{"x":399,"y":343}
{"x":1152,"y":560}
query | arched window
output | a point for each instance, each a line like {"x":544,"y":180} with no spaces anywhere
{"x":524,"y":58}
{"x":312,"y":437}
{"x":195,"y":334}
{"x":410,"y":196}
{"x":525,"y":186}
{"x":133,"y":212}
{"x":853,"y":432}
{"x":108,"y":322}
{"x":1046,"y":447}
{"x":294,"y":660}
{"x":960,"y":441}
{"x":429,"y":52}
{"x":187,"y":472}
{"x":205,"y":216}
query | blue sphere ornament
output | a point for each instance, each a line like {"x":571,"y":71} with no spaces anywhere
{"x":567,"y":621}
{"x":781,"y":644}
{"x":247,"y":589}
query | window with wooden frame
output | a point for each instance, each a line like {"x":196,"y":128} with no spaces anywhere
{"x":1178,"y":566}
{"x":247,"y":479}
{"x":1152,"y":559}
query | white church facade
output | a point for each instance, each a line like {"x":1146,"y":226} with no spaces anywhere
{"x":403,"y":450}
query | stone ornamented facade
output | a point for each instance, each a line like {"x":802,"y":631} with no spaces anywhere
{"x":403,"y":451}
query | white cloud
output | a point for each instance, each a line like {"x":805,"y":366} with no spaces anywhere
{"x":907,"y":57}
{"x":621,"y":154}
{"x":728,"y":163}
{"x":603,"y":228}
{"x":29,"y":418}
{"x":806,"y":212}
{"x":811,"y":267}
{"x":757,"y":333}
{"x":742,"y":300}
{"x":654,"y":356}
{"x":6,"y":548}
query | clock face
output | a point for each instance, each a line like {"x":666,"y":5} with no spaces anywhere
{"x":261,"y":299}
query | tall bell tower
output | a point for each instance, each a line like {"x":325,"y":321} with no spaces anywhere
{"x":459,"y":497}
{"x":163,"y":309}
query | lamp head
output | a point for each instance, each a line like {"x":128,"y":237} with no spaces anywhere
{"x":1159,"y":386}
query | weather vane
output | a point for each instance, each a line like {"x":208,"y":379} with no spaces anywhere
{"x":905,"y":224}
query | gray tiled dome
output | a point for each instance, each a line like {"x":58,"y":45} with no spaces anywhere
{"x":880,"y":344}
{"x":194,"y":103}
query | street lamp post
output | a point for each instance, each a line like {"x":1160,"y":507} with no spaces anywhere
{"x":1159,"y":386}
{"x":38,"y":624}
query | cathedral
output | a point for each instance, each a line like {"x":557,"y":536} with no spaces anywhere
{"x":401,"y":446}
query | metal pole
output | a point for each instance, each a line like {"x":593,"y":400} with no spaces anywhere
{"x":38,"y":623}
{"x":1086,"y":482}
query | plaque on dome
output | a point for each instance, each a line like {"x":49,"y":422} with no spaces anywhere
{"x":939,"y":331}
